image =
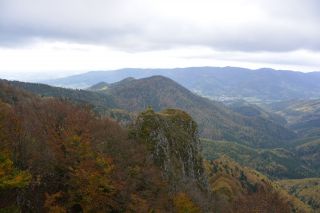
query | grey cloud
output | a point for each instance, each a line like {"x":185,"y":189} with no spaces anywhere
{"x":136,"y":25}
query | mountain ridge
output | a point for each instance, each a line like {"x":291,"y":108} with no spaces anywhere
{"x":219,"y":83}
{"x":59,"y":127}
{"x":215,"y":120}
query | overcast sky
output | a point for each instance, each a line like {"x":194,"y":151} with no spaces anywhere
{"x":60,"y":37}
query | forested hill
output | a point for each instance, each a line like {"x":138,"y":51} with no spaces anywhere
{"x":303,"y":116}
{"x":59,"y":157}
{"x":216,"y":121}
{"x":222,"y":83}
{"x":101,"y":102}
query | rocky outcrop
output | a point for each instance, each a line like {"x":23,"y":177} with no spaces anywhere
{"x":172,"y":137}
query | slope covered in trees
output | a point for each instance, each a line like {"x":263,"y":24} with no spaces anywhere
{"x":303,"y":116}
{"x":61,"y":157}
{"x":253,"y":110}
{"x":172,"y":136}
{"x":308,"y":190}
{"x":100,"y":102}
{"x":240,"y":189}
{"x":276,"y":163}
{"x":65,"y":158}
{"x":215,"y":120}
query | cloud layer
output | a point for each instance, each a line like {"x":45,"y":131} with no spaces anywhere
{"x":52,"y":38}
{"x":140,"y":25}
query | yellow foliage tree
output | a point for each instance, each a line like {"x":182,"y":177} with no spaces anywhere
{"x":11,"y":177}
{"x":183,"y":204}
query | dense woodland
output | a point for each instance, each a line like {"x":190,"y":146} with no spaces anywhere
{"x":57,"y":157}
{"x":68,"y":150}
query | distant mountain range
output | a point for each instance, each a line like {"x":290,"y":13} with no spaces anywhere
{"x":218,"y":83}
